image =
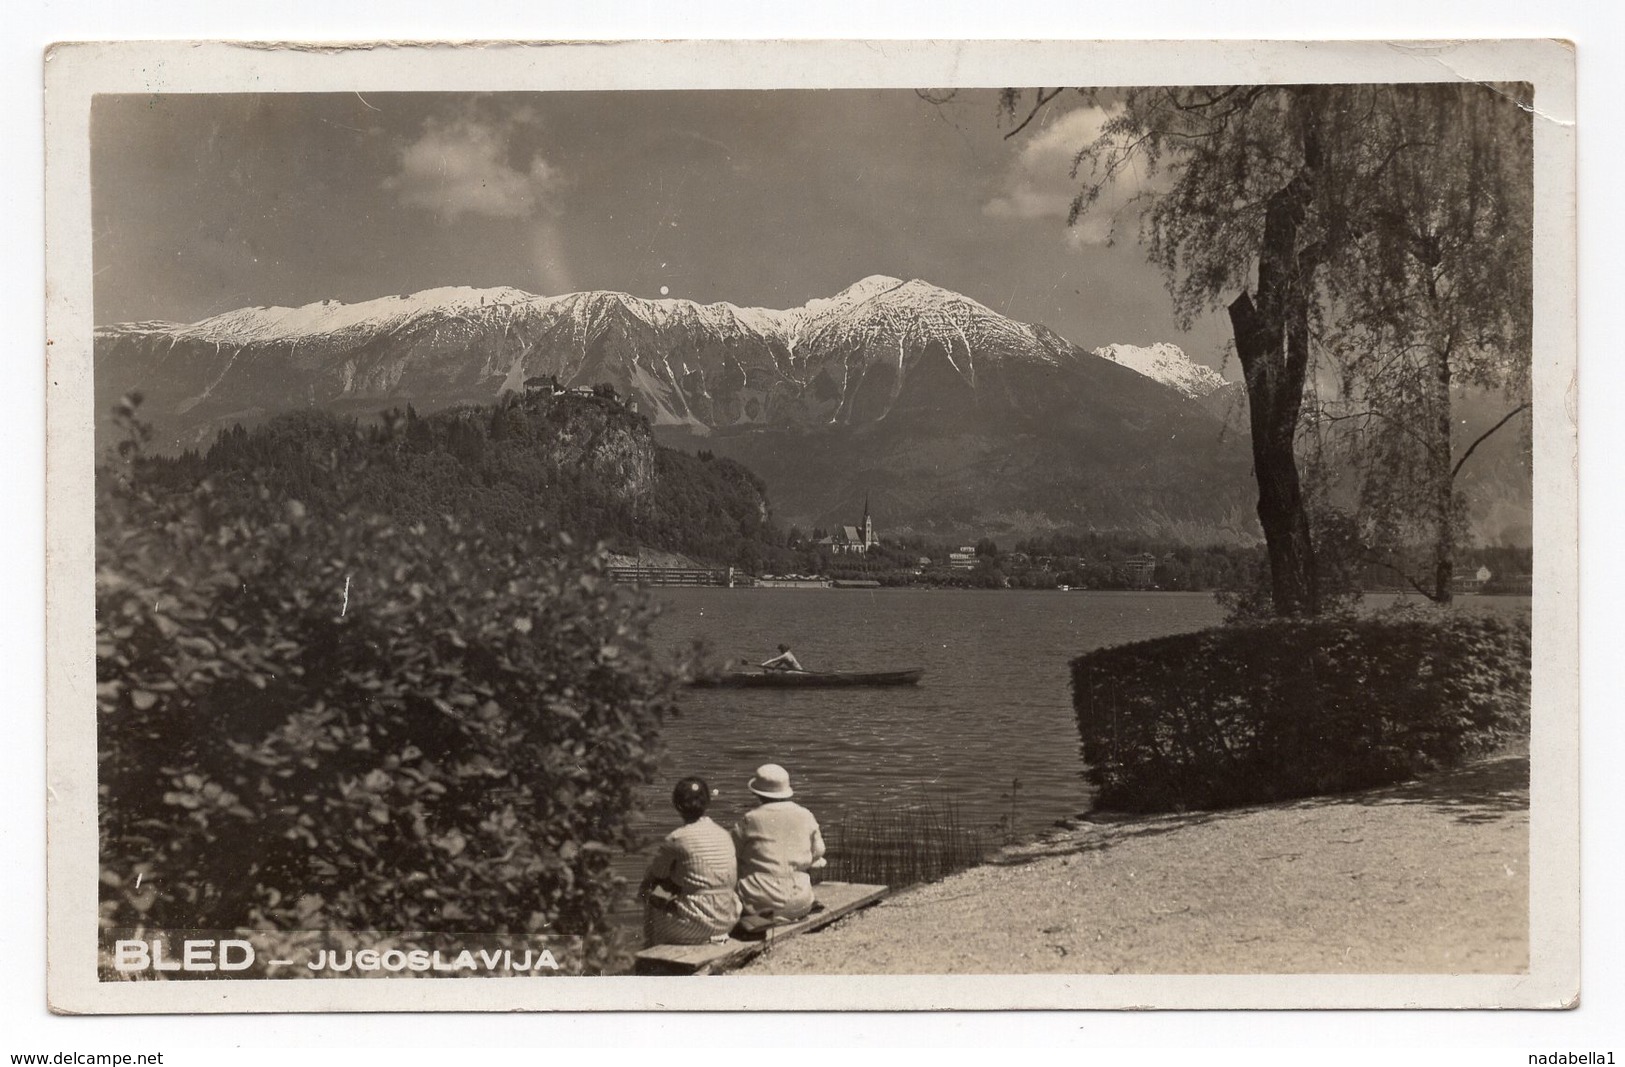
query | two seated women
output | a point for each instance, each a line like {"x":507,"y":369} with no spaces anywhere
{"x":703,"y":881}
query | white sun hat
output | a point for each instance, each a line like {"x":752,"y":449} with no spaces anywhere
{"x":772,"y":782}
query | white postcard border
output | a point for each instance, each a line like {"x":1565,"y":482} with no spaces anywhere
{"x":75,"y":73}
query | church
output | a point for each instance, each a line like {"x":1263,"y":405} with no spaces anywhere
{"x":853,"y":538}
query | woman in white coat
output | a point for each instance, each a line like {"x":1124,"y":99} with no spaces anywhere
{"x":778,"y":843}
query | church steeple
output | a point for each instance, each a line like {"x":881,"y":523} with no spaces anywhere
{"x":868,"y":525}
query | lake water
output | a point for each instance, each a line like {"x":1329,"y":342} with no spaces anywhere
{"x":993,"y":708}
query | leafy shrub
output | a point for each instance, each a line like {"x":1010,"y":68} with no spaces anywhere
{"x":1266,"y":711}
{"x":323,"y":720}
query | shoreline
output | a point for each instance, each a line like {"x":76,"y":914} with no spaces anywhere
{"x":1428,"y":876}
{"x":856,"y":585}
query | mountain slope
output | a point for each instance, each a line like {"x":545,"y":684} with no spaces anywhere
{"x":959,"y":418}
{"x":1167,"y":364}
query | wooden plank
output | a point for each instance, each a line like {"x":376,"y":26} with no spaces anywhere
{"x":835,"y":900}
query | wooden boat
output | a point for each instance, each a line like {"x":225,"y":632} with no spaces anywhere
{"x":806,"y":679}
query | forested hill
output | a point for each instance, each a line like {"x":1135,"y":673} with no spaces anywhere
{"x":585,"y":465}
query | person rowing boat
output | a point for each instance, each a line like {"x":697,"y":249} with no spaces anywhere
{"x":783,"y":678}
{"x":784,"y":661}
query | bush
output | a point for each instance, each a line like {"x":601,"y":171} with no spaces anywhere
{"x":1267,"y":711}
{"x":329,"y":721}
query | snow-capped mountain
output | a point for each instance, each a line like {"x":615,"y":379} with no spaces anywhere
{"x":1167,"y":364}
{"x":705,"y":366}
{"x":954,"y":416}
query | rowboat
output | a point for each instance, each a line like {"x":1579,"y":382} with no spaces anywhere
{"x":806,"y":679}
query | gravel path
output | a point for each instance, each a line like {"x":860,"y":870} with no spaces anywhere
{"x":1427,"y":877}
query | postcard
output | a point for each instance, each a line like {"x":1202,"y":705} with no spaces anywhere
{"x":836,"y":525}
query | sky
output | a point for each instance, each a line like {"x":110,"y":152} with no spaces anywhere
{"x":206,"y":203}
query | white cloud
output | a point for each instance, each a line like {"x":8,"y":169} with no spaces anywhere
{"x":1024,"y":200}
{"x":462,"y":166}
{"x":1062,"y":138}
{"x":1095,"y":228}
{"x":1039,"y":182}
{"x":552,"y":269}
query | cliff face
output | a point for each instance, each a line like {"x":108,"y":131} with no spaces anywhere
{"x":610,"y":448}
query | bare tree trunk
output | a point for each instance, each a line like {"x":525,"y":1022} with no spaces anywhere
{"x":1272,"y":341}
{"x":1274,"y":395}
{"x":1444,"y":484}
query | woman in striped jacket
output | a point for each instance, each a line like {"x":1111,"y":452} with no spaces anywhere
{"x":689,"y":891}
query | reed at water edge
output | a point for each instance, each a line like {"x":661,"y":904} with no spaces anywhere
{"x":902,"y":846}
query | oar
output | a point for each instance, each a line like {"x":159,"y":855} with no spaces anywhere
{"x":749,"y":662}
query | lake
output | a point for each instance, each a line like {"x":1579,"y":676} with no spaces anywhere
{"x":993,"y":709}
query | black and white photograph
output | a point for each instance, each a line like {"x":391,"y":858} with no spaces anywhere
{"x":1005,"y":531}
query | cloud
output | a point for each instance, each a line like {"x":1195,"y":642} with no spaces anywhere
{"x":463,"y":166}
{"x":1039,"y":183}
{"x":1026,"y":201}
{"x":552,"y":269}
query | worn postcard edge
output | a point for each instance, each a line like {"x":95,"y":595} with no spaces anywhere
{"x":75,"y":73}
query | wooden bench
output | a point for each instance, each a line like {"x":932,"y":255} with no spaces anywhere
{"x":834,"y":901}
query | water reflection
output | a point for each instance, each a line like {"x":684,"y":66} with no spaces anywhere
{"x":994,"y":706}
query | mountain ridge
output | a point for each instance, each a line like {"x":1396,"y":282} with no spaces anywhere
{"x":960,"y":416}
{"x":795,"y":327}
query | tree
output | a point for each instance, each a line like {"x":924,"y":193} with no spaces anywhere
{"x":1442,"y":300}
{"x":1264,"y":200}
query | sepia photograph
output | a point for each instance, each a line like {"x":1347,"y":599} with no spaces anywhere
{"x":977,"y":539}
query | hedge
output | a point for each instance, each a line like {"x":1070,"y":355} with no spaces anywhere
{"x":332,"y":722}
{"x":1289,"y":708}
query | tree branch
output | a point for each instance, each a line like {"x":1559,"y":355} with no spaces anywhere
{"x":1043,"y":98}
{"x":1241,"y":105}
{"x":1393,"y":154}
{"x":1414,"y":584}
{"x":1397,"y":423}
{"x":1196,"y":105}
{"x":1481,"y":437}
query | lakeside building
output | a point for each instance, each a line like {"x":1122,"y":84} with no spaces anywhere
{"x":1470,"y":581}
{"x":1140,"y":569}
{"x":636,"y":573}
{"x":964,"y":559}
{"x":852,"y":539}
{"x":1509,"y":584}
{"x":792,"y":581}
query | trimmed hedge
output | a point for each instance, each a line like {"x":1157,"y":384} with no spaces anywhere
{"x":326,"y":721}
{"x":1269,"y":711}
